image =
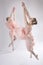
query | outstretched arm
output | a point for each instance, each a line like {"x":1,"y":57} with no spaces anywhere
{"x":12,"y":15}
{"x":25,"y":9}
{"x":25,"y":18}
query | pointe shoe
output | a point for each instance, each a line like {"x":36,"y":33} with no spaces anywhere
{"x":9,"y":45}
{"x":12,"y":49}
{"x":30,"y":56}
{"x":37,"y":57}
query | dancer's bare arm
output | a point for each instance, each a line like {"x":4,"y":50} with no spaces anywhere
{"x":26,"y":13}
{"x":25,"y":9}
{"x":12,"y":15}
{"x":25,"y":18}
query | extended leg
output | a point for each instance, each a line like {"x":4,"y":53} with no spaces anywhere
{"x":13,"y":38}
{"x":30,"y":55}
{"x":36,"y":56}
{"x":29,"y":44}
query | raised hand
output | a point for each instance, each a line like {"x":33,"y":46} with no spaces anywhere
{"x":26,"y":13}
{"x":13,"y":9}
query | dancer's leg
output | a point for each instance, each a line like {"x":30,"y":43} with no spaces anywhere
{"x":30,"y":55}
{"x":12,"y":44}
{"x":29,"y":44}
{"x":13,"y":38}
{"x":36,"y":56}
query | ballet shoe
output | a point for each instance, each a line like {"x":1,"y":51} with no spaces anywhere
{"x":9,"y":45}
{"x":37,"y":57}
{"x":30,"y":56}
{"x":12,"y":49}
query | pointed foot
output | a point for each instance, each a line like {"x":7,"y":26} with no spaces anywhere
{"x":37,"y":57}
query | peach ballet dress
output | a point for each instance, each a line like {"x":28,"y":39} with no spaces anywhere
{"x":23,"y":33}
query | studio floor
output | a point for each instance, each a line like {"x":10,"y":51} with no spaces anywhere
{"x":20,"y":56}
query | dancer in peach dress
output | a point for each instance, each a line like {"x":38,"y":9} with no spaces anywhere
{"x":28,"y":29}
{"x":11,"y":24}
{"x":15,"y":30}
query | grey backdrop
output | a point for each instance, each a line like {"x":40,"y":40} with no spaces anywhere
{"x":35,"y":8}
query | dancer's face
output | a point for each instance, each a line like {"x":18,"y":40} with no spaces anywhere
{"x":33,"y":21}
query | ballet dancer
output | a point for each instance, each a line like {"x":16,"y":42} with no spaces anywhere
{"x":28,"y":25}
{"x":11,"y":26}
